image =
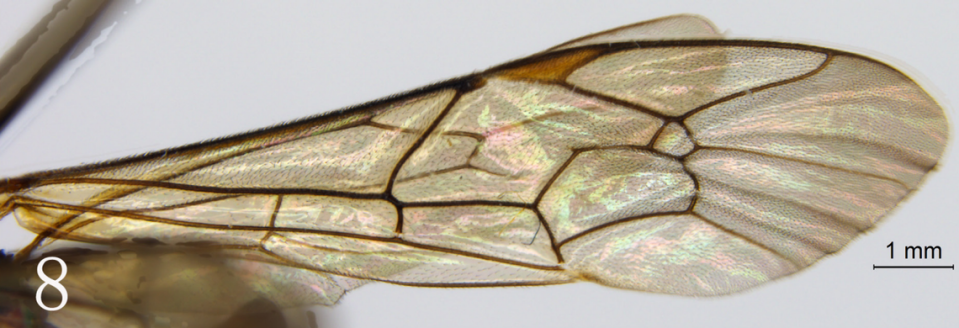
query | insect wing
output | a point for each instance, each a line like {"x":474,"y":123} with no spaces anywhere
{"x":691,"y":167}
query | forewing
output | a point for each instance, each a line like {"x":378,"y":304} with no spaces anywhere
{"x":696,"y":167}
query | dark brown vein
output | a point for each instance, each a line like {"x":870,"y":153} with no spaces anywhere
{"x":759,"y":88}
{"x":219,"y":190}
{"x":388,"y":193}
{"x":394,"y":240}
{"x":448,"y":170}
{"x":613,"y":100}
{"x":477,"y":136}
{"x":467,"y":203}
{"x":539,"y":198}
{"x":390,"y":127}
{"x":444,"y":250}
{"x":283,"y":261}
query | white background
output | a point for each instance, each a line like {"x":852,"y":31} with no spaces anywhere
{"x":176,"y":72}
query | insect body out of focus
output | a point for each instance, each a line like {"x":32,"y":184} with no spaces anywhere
{"x":655,"y":157}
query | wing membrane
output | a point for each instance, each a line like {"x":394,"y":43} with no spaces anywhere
{"x":856,"y":115}
{"x":691,"y":167}
{"x":665,"y":28}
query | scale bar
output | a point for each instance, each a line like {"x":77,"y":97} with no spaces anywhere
{"x":874,"y":267}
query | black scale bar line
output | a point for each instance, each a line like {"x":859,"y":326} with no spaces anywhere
{"x":874,"y":267}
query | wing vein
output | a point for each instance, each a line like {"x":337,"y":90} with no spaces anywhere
{"x":134,"y":216}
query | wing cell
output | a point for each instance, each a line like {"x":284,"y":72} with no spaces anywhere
{"x":370,"y":217}
{"x":674,"y":254}
{"x":604,"y":186}
{"x":513,"y":233}
{"x":402,"y":263}
{"x":675,"y":80}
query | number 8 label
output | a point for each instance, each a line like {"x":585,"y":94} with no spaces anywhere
{"x":55,"y":283}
